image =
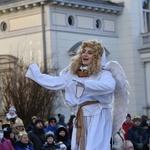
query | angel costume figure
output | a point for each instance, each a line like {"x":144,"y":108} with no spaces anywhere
{"x":88,"y":90}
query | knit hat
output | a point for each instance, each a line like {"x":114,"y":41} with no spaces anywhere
{"x":50,"y":134}
{"x":34,"y":117}
{"x":128,"y":115}
{"x":18,"y":122}
{"x":12,"y":109}
{"x":136,"y":117}
{"x":38,"y":120}
{"x":20,"y":135}
{"x":52,"y":118}
{"x":72,"y":116}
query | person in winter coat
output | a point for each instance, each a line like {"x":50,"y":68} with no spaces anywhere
{"x":17,"y":127}
{"x":4,"y":143}
{"x":50,"y":143}
{"x":31,"y":125}
{"x":62,"y":121}
{"x":37,"y":135}
{"x":137,"y":135}
{"x":62,"y":136}
{"x":52,"y":125}
{"x":127,"y":124}
{"x":23,"y":143}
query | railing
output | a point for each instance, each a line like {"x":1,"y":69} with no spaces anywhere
{"x":145,"y":40}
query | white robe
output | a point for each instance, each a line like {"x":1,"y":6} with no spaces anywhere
{"x":97,"y":117}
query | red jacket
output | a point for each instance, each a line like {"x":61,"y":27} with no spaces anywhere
{"x":6,"y":145}
{"x":125,"y":127}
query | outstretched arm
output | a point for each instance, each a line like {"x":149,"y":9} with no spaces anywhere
{"x":47,"y":81}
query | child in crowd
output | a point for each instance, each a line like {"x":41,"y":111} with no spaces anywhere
{"x":50,"y":143}
{"x":62,"y":136}
{"x":11,"y":113}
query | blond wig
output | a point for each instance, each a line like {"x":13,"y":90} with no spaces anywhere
{"x":95,"y":67}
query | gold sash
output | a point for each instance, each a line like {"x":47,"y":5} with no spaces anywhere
{"x":80,"y":124}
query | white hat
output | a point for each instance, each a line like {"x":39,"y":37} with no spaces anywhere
{"x":12,"y":109}
{"x":63,"y":146}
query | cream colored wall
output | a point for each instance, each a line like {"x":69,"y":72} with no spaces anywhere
{"x":27,"y":46}
{"x":129,"y":29}
{"x":24,"y":35}
{"x":23,"y":22}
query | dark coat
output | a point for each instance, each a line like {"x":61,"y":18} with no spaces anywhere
{"x":66,"y":139}
{"x":37,"y":137}
{"x":30,"y":127}
{"x":50,"y":147}
{"x":18,"y":145}
{"x":137,"y":135}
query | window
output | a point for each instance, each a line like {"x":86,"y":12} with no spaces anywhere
{"x":3,"y":26}
{"x":71,"y":20}
{"x":98,"y":24}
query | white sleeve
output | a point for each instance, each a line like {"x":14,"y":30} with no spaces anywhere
{"x":47,"y":81}
{"x":105,"y":85}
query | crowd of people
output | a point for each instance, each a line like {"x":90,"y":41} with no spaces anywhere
{"x":134,"y":134}
{"x":56,"y":135}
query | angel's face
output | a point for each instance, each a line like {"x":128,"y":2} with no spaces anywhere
{"x":87,"y":56}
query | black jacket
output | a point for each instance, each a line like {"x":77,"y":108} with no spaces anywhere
{"x":52,"y":146}
{"x":37,"y":137}
{"x":137,"y":135}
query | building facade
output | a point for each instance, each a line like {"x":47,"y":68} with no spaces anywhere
{"x":37,"y":29}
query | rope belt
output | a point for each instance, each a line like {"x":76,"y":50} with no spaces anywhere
{"x":80,"y":124}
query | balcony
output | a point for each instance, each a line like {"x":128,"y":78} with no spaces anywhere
{"x":145,"y":40}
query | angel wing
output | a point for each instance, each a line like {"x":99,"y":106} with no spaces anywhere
{"x":121,"y":95}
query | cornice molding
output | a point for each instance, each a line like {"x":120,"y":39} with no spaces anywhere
{"x":22,"y":5}
{"x":101,"y":7}
{"x":90,"y":6}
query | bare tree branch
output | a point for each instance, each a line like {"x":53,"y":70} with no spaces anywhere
{"x":27,"y":96}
